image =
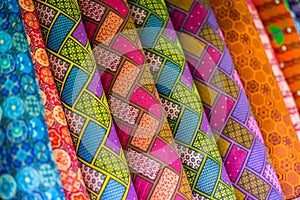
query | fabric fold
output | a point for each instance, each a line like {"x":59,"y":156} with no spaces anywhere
{"x":27,"y":165}
{"x":142,"y":127}
{"x":294,"y":6}
{"x":282,"y":83}
{"x":284,"y":39}
{"x":61,"y":142}
{"x":224,"y":100}
{"x":103,"y":164}
{"x":181,"y":101}
{"x":262,"y":91}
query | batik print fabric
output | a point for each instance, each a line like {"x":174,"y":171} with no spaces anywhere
{"x":61,"y":142}
{"x":180,"y":100}
{"x":283,"y":85}
{"x":238,"y":136}
{"x":284,"y":38}
{"x":27,"y":166}
{"x":266,"y":101}
{"x":103,"y":165}
{"x":142,"y":128}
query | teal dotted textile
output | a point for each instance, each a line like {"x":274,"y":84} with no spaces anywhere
{"x":27,"y":166}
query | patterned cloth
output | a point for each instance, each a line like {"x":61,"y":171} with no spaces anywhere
{"x":284,"y":38}
{"x":77,"y":79}
{"x":283,"y":85}
{"x":61,"y":142}
{"x":263,"y":93}
{"x":294,"y":7}
{"x":239,"y":138}
{"x":27,"y":165}
{"x":181,"y":101}
{"x":134,"y":102}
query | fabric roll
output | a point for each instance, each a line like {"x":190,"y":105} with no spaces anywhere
{"x":262,"y":91}
{"x":61,"y":142}
{"x":196,"y":145}
{"x":284,"y":39}
{"x":142,"y":127}
{"x":225,"y":101}
{"x":27,"y":165}
{"x":103,"y":164}
{"x":283,"y":85}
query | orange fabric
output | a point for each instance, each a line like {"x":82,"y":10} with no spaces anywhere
{"x":283,"y":34}
{"x":262,"y":90}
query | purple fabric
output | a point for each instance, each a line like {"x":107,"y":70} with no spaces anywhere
{"x":225,"y":102}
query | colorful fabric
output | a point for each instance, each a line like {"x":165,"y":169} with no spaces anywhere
{"x":61,"y":142}
{"x":27,"y":165}
{"x":283,"y":85}
{"x":103,"y":165}
{"x":134,"y":102}
{"x":284,"y":38}
{"x":260,"y":85}
{"x":239,"y":138}
{"x":294,"y":7}
{"x":181,"y":101}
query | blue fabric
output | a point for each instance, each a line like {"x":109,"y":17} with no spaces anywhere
{"x":74,"y":85}
{"x":187,"y":127}
{"x":210,"y":171}
{"x":168,"y":78}
{"x":148,"y":35}
{"x":27,"y":166}
{"x":114,"y":190}
{"x":90,"y":141}
{"x":59,"y":31}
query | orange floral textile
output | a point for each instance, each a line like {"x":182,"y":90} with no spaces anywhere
{"x":61,"y":142}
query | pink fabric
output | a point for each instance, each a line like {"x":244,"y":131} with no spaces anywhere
{"x":125,"y":47}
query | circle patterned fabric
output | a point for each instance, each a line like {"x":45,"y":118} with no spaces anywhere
{"x":61,"y":142}
{"x":27,"y":165}
{"x":102,"y":161}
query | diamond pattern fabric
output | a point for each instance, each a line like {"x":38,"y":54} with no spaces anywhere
{"x":238,"y":136}
{"x":61,"y":142}
{"x":103,"y":164}
{"x":175,"y":86}
{"x":142,"y":127}
{"x":260,"y":85}
{"x":27,"y":165}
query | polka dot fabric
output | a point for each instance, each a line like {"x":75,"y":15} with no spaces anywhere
{"x":262,"y":91}
{"x":61,"y":142}
{"x":27,"y":165}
